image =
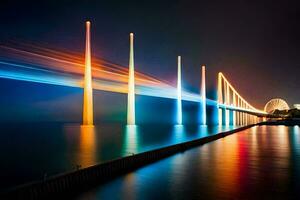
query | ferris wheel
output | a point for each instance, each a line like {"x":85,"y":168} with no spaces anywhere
{"x":276,"y":104}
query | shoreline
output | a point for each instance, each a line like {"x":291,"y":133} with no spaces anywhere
{"x":287,"y":122}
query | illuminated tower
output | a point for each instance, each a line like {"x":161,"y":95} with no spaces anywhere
{"x":203,"y":96}
{"x":179,"y":104}
{"x":131,"y":98}
{"x":88,"y":118}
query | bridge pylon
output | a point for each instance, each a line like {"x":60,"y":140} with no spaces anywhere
{"x":131,"y":85}
{"x":203,"y":96}
{"x":179,"y":95}
{"x":88,"y":115}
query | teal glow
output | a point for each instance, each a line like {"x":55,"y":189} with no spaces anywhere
{"x":37,"y":74}
{"x":231,"y":117}
{"x":179,"y":103}
{"x":179,"y":112}
{"x":178,"y":134}
{"x":203,"y":96}
{"x":131,"y":144}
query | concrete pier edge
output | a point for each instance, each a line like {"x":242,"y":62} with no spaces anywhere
{"x":74,"y":182}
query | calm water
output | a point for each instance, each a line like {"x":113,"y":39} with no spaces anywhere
{"x":31,"y":151}
{"x":258,"y":163}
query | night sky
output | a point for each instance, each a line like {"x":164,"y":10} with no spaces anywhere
{"x":254,"y":43}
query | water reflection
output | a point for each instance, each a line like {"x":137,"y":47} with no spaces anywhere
{"x":178,"y":134}
{"x":295,"y":155}
{"x":203,"y":130}
{"x":131,"y":140}
{"x":282,"y":144}
{"x":296,"y":129}
{"x":258,"y":163}
{"x":295,"y":135}
{"x":69,"y":146}
{"x":130,"y":183}
{"x":226,"y":169}
{"x":254,"y":150}
{"x":87,"y":146}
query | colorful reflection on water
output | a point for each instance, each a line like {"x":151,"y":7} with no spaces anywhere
{"x":51,"y":148}
{"x":87,"y":146}
{"x":259,"y":163}
{"x":131,"y":144}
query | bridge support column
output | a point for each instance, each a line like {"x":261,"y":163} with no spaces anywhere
{"x":212,"y":115}
{"x":241,"y":119}
{"x":131,"y":86}
{"x":88,"y":116}
{"x":224,"y":120}
{"x":234,"y":112}
{"x":179,"y":103}
{"x":203,"y":97}
{"x":231,"y":117}
{"x":220,"y":99}
{"x":241,"y":115}
{"x":237,"y":112}
{"x":249,"y":119}
{"x":244,"y":115}
{"x":227,"y":98}
{"x":220,"y":116}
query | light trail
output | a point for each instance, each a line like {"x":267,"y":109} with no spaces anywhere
{"x":74,"y":64}
{"x":48,"y":66}
{"x":28,"y":73}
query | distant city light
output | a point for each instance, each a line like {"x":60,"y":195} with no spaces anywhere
{"x":297,"y":106}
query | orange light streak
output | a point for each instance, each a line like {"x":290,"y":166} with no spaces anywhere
{"x":74,"y":64}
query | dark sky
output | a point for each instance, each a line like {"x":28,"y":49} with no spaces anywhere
{"x":254,"y":43}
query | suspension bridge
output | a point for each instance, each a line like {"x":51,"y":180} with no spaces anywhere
{"x":53,"y":67}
